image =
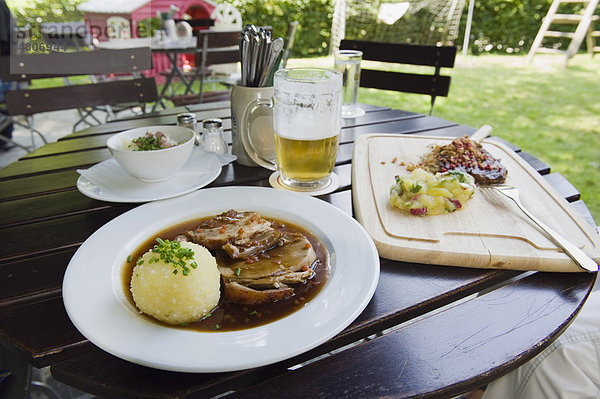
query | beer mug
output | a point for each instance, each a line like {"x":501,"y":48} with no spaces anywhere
{"x":307,"y":120}
{"x":262,"y":123}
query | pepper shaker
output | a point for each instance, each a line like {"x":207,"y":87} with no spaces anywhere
{"x":213,"y":136}
{"x":188,"y":120}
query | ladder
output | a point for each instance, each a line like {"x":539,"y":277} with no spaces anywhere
{"x":584,"y":29}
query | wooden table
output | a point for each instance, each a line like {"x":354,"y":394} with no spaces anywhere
{"x":449,"y":329}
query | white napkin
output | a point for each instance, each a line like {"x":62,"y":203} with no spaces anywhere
{"x":112,"y":179}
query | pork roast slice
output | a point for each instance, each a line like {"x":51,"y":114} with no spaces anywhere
{"x":240,"y":234}
{"x":249,"y":246}
{"x":265,"y":277}
{"x":295,"y":254}
{"x":276,"y":281}
{"x":238,"y":293}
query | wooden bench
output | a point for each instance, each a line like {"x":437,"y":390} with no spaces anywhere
{"x":134,"y":90}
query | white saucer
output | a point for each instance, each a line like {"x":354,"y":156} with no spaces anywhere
{"x":334,"y":184}
{"x":107,"y":181}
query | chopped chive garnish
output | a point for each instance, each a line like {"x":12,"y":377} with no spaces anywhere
{"x":172,"y":252}
{"x":149,"y":142}
{"x":252,"y":313}
{"x":217,"y":327}
{"x":129,"y":259}
{"x":415,"y":188}
{"x":238,"y":271}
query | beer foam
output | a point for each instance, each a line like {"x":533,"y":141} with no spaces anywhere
{"x":308,"y":81}
{"x":307,"y":104}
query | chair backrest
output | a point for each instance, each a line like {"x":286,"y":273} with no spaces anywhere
{"x":29,"y":102}
{"x":40,"y":66}
{"x":217,"y":47}
{"x":62,"y":64}
{"x":433,"y":84}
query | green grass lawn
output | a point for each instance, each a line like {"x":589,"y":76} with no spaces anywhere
{"x":548,"y":110}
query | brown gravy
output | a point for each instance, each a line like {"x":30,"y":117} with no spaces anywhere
{"x":230,"y":316}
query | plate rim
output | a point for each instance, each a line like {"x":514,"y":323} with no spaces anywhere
{"x":212,"y":176}
{"x":336,"y":323}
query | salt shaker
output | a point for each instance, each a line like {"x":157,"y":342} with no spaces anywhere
{"x":213,"y":136}
{"x":188,"y":120}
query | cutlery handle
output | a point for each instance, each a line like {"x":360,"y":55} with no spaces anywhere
{"x":483,"y":132}
{"x":578,"y":256}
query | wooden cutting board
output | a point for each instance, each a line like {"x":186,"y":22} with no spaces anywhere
{"x":488,"y":232}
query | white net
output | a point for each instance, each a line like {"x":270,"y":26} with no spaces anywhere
{"x":397,"y":21}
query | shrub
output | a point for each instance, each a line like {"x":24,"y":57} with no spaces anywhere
{"x":499,"y":26}
{"x":314,"y":17}
{"x":34,"y":12}
{"x":510,"y":26}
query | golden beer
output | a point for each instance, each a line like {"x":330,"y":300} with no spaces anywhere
{"x":307,"y":121}
{"x":305,"y":160}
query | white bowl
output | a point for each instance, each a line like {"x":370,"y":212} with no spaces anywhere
{"x":152,"y":166}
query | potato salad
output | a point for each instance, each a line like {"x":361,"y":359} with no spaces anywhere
{"x":423,"y":193}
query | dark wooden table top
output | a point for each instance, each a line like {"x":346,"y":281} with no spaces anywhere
{"x":446,"y":329}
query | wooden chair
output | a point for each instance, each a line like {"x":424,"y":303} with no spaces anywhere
{"x":433,"y":85}
{"x":214,"y":48}
{"x":30,"y":101}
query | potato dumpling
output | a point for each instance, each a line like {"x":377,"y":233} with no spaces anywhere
{"x":422,"y":193}
{"x":180,"y":287}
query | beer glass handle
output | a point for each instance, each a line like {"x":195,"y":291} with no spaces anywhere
{"x":246,"y":125}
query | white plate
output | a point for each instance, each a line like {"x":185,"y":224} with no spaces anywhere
{"x":107,"y":181}
{"x":95,"y":302}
